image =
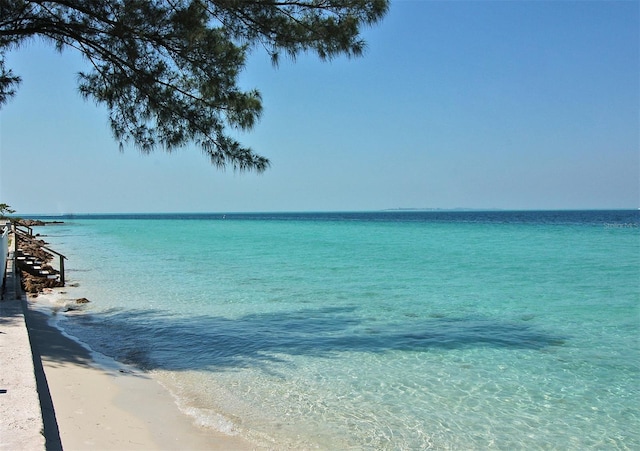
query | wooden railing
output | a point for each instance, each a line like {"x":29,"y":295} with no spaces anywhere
{"x":20,"y":227}
{"x":28,"y":235}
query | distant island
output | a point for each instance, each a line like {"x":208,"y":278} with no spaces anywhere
{"x":441,"y":209}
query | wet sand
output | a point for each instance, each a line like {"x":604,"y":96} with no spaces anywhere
{"x":92,"y":406}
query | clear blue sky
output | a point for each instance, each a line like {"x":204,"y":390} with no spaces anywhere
{"x":512,"y":105}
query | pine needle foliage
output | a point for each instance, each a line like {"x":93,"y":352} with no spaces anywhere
{"x":167,"y":70}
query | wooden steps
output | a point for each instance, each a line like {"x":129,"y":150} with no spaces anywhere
{"x":34,"y":266}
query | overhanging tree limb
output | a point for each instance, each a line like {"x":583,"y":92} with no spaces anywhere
{"x":167,"y":70}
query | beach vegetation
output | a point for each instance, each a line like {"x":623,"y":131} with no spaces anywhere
{"x":5,"y":210}
{"x":167,"y":70}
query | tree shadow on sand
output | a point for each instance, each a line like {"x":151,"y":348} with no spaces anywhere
{"x":154,"y":339}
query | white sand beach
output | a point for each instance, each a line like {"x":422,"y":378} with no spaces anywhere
{"x":102,"y":407}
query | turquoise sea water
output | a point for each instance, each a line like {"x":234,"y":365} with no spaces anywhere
{"x":392,"y":330}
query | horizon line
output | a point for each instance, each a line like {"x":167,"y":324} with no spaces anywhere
{"x":385,"y":210}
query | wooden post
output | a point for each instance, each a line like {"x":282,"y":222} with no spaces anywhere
{"x":62,"y":270}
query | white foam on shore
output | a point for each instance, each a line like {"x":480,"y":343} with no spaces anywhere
{"x":57,"y":305}
{"x":209,"y":419}
{"x":60,"y":304}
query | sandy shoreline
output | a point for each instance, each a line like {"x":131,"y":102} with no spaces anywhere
{"x":100,"y":407}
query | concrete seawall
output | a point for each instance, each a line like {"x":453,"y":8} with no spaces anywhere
{"x":21,"y":418}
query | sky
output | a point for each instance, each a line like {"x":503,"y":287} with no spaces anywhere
{"x":486,"y":105}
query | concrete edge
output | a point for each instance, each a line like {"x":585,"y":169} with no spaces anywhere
{"x":21,"y":419}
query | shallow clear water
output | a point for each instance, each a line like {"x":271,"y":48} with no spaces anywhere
{"x":410,"y":330}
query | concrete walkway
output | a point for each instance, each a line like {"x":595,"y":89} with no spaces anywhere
{"x":21,"y":420}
